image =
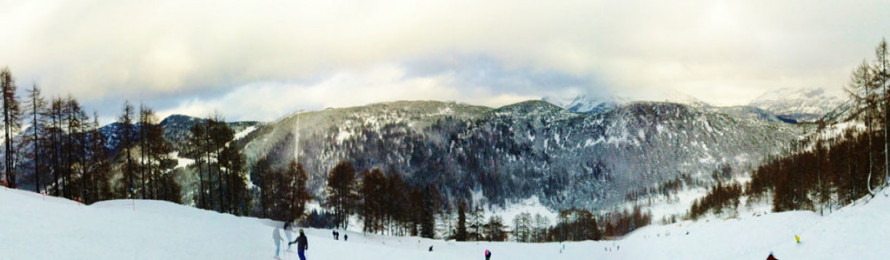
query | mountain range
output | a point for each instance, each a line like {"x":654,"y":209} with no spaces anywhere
{"x":594,"y":153}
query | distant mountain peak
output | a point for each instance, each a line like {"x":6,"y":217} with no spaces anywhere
{"x":801,"y":104}
{"x":586,"y":104}
{"x":595,"y":104}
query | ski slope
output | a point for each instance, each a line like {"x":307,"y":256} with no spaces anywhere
{"x":36,"y":227}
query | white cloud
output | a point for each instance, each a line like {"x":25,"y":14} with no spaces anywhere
{"x":269,"y":100}
{"x":725,"y":52}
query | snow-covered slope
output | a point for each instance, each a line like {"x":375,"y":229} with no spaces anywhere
{"x":37,"y":227}
{"x":807,"y":104}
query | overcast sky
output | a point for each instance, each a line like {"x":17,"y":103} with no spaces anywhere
{"x":260,"y":60}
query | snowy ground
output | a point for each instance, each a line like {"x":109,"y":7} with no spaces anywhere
{"x":36,"y":227}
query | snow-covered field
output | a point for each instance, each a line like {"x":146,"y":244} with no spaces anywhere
{"x":36,"y":227}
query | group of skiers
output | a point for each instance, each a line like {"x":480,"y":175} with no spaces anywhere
{"x":337,"y":235}
{"x":301,"y":241}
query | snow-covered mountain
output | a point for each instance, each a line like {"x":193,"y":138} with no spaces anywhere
{"x":587,"y":104}
{"x":532,"y":148}
{"x":805,"y":105}
{"x":604,"y":102}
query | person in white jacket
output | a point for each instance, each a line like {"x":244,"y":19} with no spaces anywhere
{"x":276,"y":236}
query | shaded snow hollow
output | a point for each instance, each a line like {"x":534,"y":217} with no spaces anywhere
{"x":36,"y":227}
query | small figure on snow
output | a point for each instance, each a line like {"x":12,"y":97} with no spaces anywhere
{"x":336,"y":235}
{"x":345,"y":237}
{"x":771,"y":257}
{"x":487,"y":254}
{"x":302,"y":245}
{"x":276,"y":236}
{"x":797,"y":238}
{"x":431,"y":248}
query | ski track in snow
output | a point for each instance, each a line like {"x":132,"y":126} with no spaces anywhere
{"x":39,"y":227}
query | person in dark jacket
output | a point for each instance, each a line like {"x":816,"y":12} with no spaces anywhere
{"x":771,"y":257}
{"x":302,"y":245}
{"x":487,"y":254}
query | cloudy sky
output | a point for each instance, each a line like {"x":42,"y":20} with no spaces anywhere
{"x":259,"y":60}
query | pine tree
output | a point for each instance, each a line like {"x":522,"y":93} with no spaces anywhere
{"x":219,"y":135}
{"x":262,"y":170}
{"x":37,"y":105}
{"x":372,"y":192}
{"x":494,"y":229}
{"x":196,"y":150}
{"x":126,"y":134}
{"x":461,"y":234}
{"x":432,"y":202}
{"x":236,"y":180}
{"x":301,"y":196}
{"x":11,"y":123}
{"x":71,"y":149}
{"x":55,"y":133}
{"x":341,"y":183}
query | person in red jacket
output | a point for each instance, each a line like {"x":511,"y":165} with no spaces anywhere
{"x":771,"y":257}
{"x":487,"y":254}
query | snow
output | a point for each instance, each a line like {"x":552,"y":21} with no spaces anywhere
{"x":245,"y":132}
{"x":180,"y":161}
{"x":39,"y":227}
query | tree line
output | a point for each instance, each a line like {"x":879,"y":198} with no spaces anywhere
{"x":71,"y":156}
{"x":68,"y":156}
{"x":827,"y":170}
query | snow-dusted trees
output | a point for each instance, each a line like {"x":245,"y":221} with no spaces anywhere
{"x":523,"y":227}
{"x":494,"y":229}
{"x":221,"y":168}
{"x":11,"y":123}
{"x":155,"y":164}
{"x":870,"y":89}
{"x":842,"y":169}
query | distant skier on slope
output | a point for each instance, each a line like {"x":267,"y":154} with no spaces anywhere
{"x":302,"y":245}
{"x":771,"y":257}
{"x":487,"y":254}
{"x":276,"y":236}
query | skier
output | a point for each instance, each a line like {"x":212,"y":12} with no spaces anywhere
{"x":276,"y":236}
{"x":345,"y":237}
{"x":771,"y":257}
{"x":797,"y":238}
{"x":487,"y":254}
{"x":335,"y":234}
{"x":302,"y":245}
{"x":287,"y":231}
{"x":431,"y":248}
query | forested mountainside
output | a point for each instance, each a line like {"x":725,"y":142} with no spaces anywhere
{"x":527,"y":149}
